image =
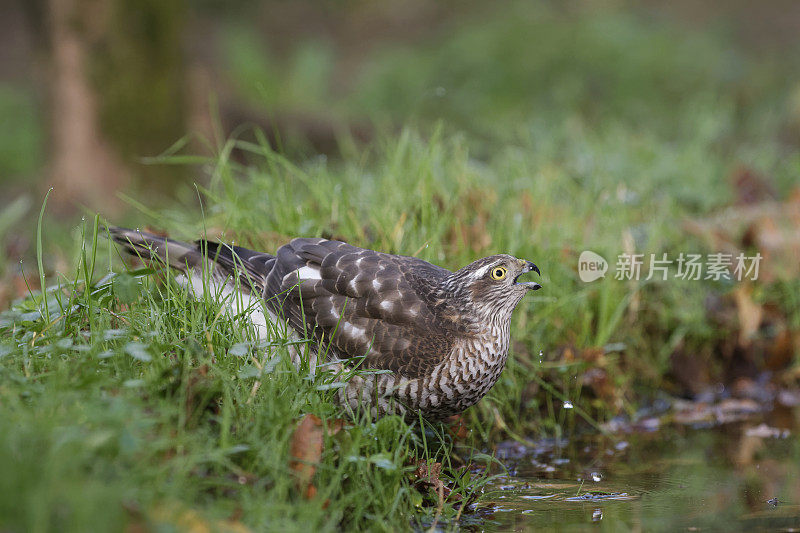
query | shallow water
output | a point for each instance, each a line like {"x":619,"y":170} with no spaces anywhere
{"x":720,"y":478}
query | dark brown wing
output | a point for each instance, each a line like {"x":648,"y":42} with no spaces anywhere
{"x":353,"y":301}
{"x":363,"y":303}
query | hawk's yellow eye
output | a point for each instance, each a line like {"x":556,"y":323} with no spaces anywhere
{"x":499,"y":273}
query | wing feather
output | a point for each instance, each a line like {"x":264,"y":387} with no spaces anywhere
{"x":365,"y":303}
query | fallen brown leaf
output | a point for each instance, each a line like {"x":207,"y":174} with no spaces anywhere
{"x":457,"y":428}
{"x":428,"y":477}
{"x":305,"y":451}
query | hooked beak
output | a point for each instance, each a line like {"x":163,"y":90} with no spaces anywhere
{"x":529,"y":267}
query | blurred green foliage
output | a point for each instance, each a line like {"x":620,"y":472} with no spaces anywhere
{"x":21,"y":135}
{"x":138,"y":70}
{"x":298,"y":83}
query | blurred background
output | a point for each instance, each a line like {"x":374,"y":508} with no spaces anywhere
{"x":89,"y":89}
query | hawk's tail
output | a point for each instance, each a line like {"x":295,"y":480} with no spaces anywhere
{"x":224,"y":262}
{"x":234,"y":275}
{"x":179,"y":255}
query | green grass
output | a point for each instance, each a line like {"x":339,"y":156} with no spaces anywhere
{"x":134,"y":403}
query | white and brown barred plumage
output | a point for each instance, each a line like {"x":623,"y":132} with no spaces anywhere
{"x":443,"y":335}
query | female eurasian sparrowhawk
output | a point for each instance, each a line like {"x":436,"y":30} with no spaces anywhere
{"x":442,"y":336}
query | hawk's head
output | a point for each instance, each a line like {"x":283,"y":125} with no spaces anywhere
{"x":491,"y":286}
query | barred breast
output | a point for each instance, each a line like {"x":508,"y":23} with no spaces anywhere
{"x":458,"y":382}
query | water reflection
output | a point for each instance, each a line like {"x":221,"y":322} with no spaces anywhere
{"x":743,"y":475}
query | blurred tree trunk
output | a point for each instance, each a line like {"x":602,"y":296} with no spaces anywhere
{"x":138,"y":67}
{"x":116,"y":94}
{"x":84,"y":168}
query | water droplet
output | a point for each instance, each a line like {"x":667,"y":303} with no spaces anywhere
{"x":568,"y":405}
{"x":596,"y":477}
{"x":597,"y":515}
{"x":773,"y":502}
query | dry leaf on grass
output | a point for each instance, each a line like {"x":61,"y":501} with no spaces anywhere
{"x":428,"y":477}
{"x":306,"y":450}
{"x":457,"y":428}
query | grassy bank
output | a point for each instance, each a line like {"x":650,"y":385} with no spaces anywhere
{"x":130,"y":403}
